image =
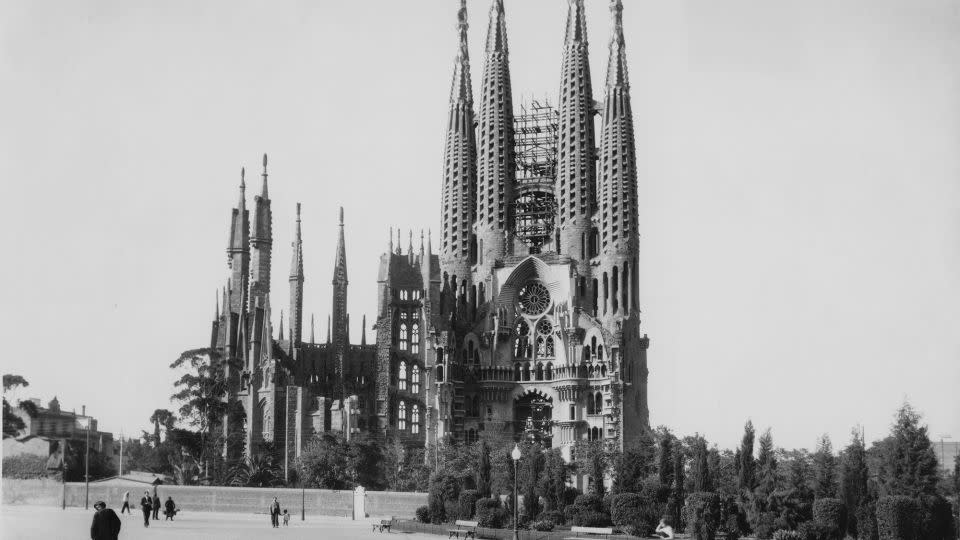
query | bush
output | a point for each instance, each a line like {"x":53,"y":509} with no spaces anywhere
{"x":589,"y":518}
{"x":466,"y":504}
{"x":936,"y":519}
{"x":766,"y":525}
{"x":571,"y":511}
{"x":25,"y":466}
{"x":787,"y":535}
{"x":423,"y":514}
{"x":733,"y":526}
{"x":867,"y":521}
{"x":442,"y":498}
{"x":589,"y":502}
{"x":626,"y":512}
{"x":811,"y":530}
{"x":832,"y":515}
{"x":606,"y":501}
{"x":555,"y":516}
{"x":490,"y":514}
{"x":703,"y":515}
{"x":896,"y":518}
{"x":544,"y":525}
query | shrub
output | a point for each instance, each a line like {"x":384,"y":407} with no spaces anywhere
{"x":542,"y":525}
{"x":490,"y":514}
{"x":442,"y":498}
{"x":787,"y":535}
{"x":811,"y":530}
{"x":936,"y":519}
{"x":25,"y":466}
{"x":571,"y":511}
{"x":832,"y":515}
{"x":606,"y":501}
{"x":703,"y":515}
{"x":626,"y":512}
{"x":589,"y":502}
{"x":423,"y":514}
{"x":733,"y":526}
{"x":466,"y":504}
{"x":451,"y":510}
{"x":896,"y":518}
{"x":867,"y":521}
{"x":555,"y":516}
{"x":589,"y":518}
{"x":765,"y":526}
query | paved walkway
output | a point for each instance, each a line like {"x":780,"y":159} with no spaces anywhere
{"x":35,"y":522}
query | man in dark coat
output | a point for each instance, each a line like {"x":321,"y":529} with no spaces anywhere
{"x":146,"y":504}
{"x":156,"y":504}
{"x":275,"y":513}
{"x":169,"y":509}
{"x":106,"y":524}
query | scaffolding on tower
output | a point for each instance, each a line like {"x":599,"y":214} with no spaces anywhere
{"x":536,"y":143}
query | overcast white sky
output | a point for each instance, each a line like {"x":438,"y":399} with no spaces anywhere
{"x":799,"y":183}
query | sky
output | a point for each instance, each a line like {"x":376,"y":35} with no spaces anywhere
{"x":799,"y":182}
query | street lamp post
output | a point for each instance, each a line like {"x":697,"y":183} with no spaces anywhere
{"x":303,"y":501}
{"x":86,"y":465}
{"x":516,"y":460}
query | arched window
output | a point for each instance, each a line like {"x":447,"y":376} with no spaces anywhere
{"x":439,"y":373}
{"x":599,"y":352}
{"x":598,"y":407}
{"x":415,"y":379}
{"x":402,"y":416}
{"x":549,"y":372}
{"x":403,"y":336}
{"x":516,"y":372}
{"x":402,"y":375}
{"x":550,"y":348}
{"x":415,"y":339}
{"x":589,"y":404}
{"x":593,"y":347}
{"x":476,"y":357}
{"x":521,"y":348}
{"x":539,"y":372}
{"x":415,"y":423}
{"x":476,"y":406}
{"x":526,"y":371}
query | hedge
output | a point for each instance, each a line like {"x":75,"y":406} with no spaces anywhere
{"x":787,"y":535}
{"x":626,"y":512}
{"x":490,"y":514}
{"x":830,"y":514}
{"x":897,"y":517}
{"x":589,"y":502}
{"x":466,"y":503}
{"x":703,"y":515}
{"x":423,"y":514}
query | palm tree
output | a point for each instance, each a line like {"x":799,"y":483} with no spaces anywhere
{"x":164,"y":417}
{"x":256,"y":471}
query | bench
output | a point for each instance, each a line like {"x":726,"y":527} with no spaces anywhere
{"x":382,"y":524}
{"x":589,"y":532}
{"x":466,"y":528}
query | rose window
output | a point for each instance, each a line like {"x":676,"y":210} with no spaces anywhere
{"x":534,"y":298}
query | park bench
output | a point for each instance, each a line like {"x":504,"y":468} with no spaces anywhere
{"x":466,"y":528}
{"x":383,"y":524}
{"x":589,"y":532}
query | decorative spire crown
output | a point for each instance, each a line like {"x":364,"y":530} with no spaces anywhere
{"x":576,"y":23}
{"x":263,"y":191}
{"x":617,"y":67}
{"x":497,"y":31}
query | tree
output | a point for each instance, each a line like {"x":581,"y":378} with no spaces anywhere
{"x":532,"y":466}
{"x":746,"y":464}
{"x":824,"y":469}
{"x":483,"y":479}
{"x":256,"y":471}
{"x":13,"y":424}
{"x":908,"y":464}
{"x":633,"y":465}
{"x":854,"y":477}
{"x":665,"y":456}
{"x":766,"y":479}
{"x":700,"y":469}
{"x":553,"y":484}
{"x":678,"y":493}
{"x":591,"y":458}
{"x":161,"y":417}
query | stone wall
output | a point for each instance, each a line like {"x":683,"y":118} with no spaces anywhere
{"x":252,"y":500}
{"x":35,"y":491}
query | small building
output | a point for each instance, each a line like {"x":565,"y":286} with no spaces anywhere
{"x":48,"y":425}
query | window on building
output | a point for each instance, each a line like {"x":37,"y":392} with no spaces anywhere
{"x":415,"y":339}
{"x":402,"y":416}
{"x":402,"y":376}
{"x":415,"y":379}
{"x":415,"y":421}
{"x":404,"y":338}
{"x":573,"y":412}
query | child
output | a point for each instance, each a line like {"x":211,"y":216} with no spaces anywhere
{"x":286,"y":518}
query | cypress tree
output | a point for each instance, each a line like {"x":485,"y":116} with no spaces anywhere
{"x":746,"y":462}
{"x":483,"y":470}
{"x":665,"y":459}
{"x":908,"y":464}
{"x":854,"y":475}
{"x":700,"y":471}
{"x":825,"y":469}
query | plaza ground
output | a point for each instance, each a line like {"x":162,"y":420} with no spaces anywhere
{"x":44,"y":522}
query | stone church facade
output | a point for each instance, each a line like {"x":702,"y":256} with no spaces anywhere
{"x":524,"y":324}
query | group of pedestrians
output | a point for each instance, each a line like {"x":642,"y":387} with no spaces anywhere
{"x":106,"y":523}
{"x":151,"y":505}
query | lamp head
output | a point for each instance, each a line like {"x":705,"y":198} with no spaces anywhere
{"x":516,"y":452}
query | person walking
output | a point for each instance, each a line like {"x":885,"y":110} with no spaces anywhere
{"x":275,"y":513}
{"x":169,"y":509}
{"x":106,"y":524}
{"x":126,"y":502}
{"x":146,"y":504}
{"x":156,"y":504}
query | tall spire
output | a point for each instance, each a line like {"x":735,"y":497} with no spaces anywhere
{"x":576,"y":177}
{"x":238,"y":248}
{"x":312,"y":327}
{"x":496,"y":172}
{"x":339,"y":330}
{"x":390,"y":244}
{"x":263,"y":190}
{"x":619,"y":235}
{"x":329,"y":337}
{"x":281,"y":326}
{"x":296,"y":284}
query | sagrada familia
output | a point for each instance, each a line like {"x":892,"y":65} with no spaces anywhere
{"x":526,"y":324}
